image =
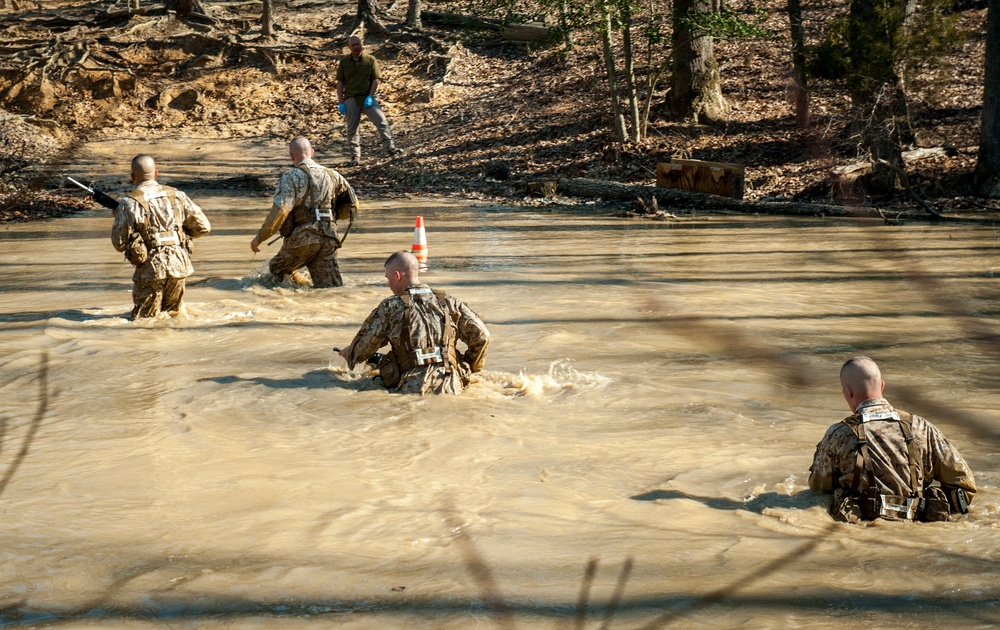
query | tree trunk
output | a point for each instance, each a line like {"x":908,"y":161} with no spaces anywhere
{"x":799,"y":86}
{"x":695,"y":91}
{"x":413,"y":15}
{"x":368,"y":15}
{"x":987,"y":178}
{"x":876,"y":93}
{"x":630,"y":91}
{"x":617,"y":120}
{"x":266,"y":24}
{"x":184,"y":8}
{"x":564,"y":25}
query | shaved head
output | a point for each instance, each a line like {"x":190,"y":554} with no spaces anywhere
{"x":402,"y":269}
{"x":355,"y":45}
{"x":300,"y":149}
{"x":143,"y":168}
{"x":403,"y":261}
{"x":861,"y":380}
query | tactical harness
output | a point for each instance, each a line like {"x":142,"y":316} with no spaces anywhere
{"x":873,"y":503}
{"x":344,"y":207}
{"x":401,"y":360}
{"x":150,"y":240}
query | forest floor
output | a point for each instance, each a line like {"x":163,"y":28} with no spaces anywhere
{"x":477,"y":116}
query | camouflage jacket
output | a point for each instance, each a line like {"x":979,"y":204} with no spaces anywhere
{"x":131,"y":221}
{"x":385,"y":325}
{"x":837,"y":456}
{"x":294,"y":191}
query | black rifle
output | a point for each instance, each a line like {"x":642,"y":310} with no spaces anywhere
{"x":372,"y":360}
{"x":102,"y":198}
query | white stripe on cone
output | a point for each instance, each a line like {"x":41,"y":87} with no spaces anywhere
{"x":420,"y":243}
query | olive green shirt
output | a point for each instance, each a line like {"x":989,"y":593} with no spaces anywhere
{"x":357,"y":76}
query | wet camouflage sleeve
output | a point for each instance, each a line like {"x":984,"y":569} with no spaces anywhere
{"x":946,"y":464}
{"x":195,"y":222}
{"x":376,"y":331}
{"x":126,"y":217}
{"x":472,"y":331}
{"x":291,"y":187}
{"x":339,"y":182}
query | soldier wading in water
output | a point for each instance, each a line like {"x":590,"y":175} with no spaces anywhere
{"x":154,"y":226}
{"x":307,"y":204}
{"x":882,"y":462}
{"x":422,"y":326}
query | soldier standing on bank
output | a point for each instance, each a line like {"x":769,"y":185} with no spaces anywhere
{"x":358,"y":77}
{"x":883,"y":462}
{"x":305,"y":210}
{"x":422,"y":326}
{"x":154,"y":226}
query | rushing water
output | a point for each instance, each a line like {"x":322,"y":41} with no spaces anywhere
{"x":652,"y":398}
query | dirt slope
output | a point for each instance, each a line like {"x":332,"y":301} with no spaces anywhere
{"x":502,"y":109}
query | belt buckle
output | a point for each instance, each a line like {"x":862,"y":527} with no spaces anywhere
{"x":895,"y":510}
{"x":167,"y":240}
{"x":430,"y":357}
{"x":320,"y":216}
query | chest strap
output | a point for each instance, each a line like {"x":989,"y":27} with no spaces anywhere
{"x":875,"y":502}
{"x":156,"y":239}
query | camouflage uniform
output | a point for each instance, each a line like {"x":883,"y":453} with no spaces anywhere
{"x":422,"y":325}
{"x":302,"y":211}
{"x":838,"y":463}
{"x":154,"y":226}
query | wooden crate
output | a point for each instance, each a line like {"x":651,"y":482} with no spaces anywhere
{"x":713,"y":178}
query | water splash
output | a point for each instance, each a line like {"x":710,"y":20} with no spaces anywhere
{"x":562,"y":377}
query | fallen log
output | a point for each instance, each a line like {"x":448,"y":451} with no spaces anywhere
{"x":672,"y":199}
{"x":530,"y":32}
{"x":457,"y":19}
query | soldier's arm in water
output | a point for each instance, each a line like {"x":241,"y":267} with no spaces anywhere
{"x":473,"y":332}
{"x":285,"y":195}
{"x":373,"y":334}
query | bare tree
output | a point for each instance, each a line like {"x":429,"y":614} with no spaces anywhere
{"x":184,"y":7}
{"x":988,"y":162}
{"x":368,"y":15}
{"x":695,"y":90}
{"x":799,"y":87}
{"x":413,"y":14}
{"x":617,"y":119}
{"x":266,"y":23}
{"x":634,"y":126}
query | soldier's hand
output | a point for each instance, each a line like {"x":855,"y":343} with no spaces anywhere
{"x":369,"y":101}
{"x":342,"y":109}
{"x":255,"y":245}
{"x":342,"y":352}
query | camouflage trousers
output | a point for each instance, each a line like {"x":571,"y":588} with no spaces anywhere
{"x":318,"y":254}
{"x":151,"y":297}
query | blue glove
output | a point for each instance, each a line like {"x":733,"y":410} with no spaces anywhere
{"x":369,"y":101}
{"x":342,"y":109}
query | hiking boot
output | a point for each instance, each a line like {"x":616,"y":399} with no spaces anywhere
{"x":354,"y":162}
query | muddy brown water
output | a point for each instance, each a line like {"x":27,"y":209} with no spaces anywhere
{"x":635,"y":454}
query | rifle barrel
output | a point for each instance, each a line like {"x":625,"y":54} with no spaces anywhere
{"x":100,"y":197}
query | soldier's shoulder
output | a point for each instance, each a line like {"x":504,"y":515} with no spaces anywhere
{"x":838,"y":429}
{"x":390,"y":304}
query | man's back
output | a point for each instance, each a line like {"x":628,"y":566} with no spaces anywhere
{"x":839,"y":462}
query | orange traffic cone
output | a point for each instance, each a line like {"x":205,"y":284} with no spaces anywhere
{"x":420,"y":244}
